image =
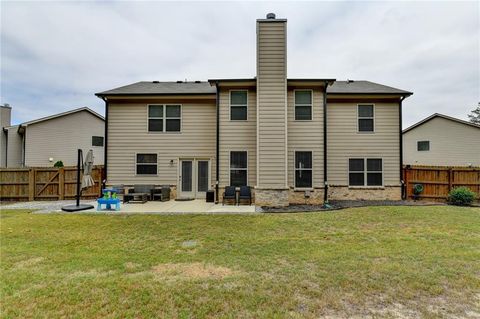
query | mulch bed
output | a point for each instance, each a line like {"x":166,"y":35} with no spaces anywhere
{"x":341,"y":204}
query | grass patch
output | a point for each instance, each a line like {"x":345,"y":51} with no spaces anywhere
{"x":372,"y":261}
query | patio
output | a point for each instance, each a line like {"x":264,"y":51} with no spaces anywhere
{"x":151,"y":207}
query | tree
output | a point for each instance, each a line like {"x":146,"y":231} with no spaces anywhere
{"x":474,"y":117}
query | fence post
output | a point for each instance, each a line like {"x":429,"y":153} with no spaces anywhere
{"x":100,"y":181}
{"x":61,"y":183}
{"x":406,"y":178}
{"x":450,"y":179}
{"x":31,"y":184}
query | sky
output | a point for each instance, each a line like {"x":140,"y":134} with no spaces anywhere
{"x":56,"y":55}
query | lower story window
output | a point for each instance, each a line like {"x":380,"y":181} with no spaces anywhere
{"x":365,"y":172}
{"x":303,"y":169}
{"x":146,"y":164}
{"x":238,"y":168}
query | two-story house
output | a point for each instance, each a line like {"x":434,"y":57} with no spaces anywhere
{"x":293,"y":140}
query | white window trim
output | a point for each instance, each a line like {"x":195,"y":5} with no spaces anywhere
{"x":295,"y":105}
{"x":230,"y":105}
{"x":136,"y":163}
{"x":230,"y":166}
{"x":306,"y":169}
{"x":424,"y":150}
{"x":164,"y":118}
{"x":366,"y":118}
{"x":365,"y":172}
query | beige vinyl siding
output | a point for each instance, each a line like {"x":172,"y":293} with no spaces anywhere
{"x":271,"y":100}
{"x":14,"y":148}
{"x":128,"y":134}
{"x":344,"y":142}
{"x":60,"y":138}
{"x":238,"y":136}
{"x":306,"y":136}
{"x":451,"y":144}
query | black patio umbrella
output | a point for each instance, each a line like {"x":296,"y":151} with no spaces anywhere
{"x":77,"y":207}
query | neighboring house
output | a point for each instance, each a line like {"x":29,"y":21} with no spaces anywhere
{"x":287,"y":138}
{"x":441,"y":140}
{"x":42,"y":142}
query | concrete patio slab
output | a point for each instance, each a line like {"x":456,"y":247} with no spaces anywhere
{"x":152,"y":207}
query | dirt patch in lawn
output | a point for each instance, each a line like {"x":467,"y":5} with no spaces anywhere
{"x":191,"y":271}
{"x":29,"y":262}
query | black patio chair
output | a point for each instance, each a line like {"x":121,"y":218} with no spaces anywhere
{"x":246,"y":194}
{"x":230,"y":193}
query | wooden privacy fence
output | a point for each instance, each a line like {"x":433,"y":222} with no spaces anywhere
{"x":45,"y":183}
{"x":437,"y":181}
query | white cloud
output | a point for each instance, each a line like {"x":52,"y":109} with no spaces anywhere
{"x":56,"y":55}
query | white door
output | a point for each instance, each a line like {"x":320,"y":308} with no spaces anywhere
{"x":194,"y":178}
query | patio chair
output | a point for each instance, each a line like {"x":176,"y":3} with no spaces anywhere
{"x":246,"y":194}
{"x":229,"y":194}
{"x":162,"y":193}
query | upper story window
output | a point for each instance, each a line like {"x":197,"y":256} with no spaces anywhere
{"x":238,"y":105}
{"x":238,"y":168}
{"x":423,"y":146}
{"x":303,"y":105}
{"x":146,"y":164}
{"x":164,"y":118}
{"x":366,"y":118}
{"x":97,"y":140}
{"x":365,"y":172}
{"x":303,"y":169}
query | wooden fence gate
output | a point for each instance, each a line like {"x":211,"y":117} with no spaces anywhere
{"x":437,"y":181}
{"x":45,"y":183}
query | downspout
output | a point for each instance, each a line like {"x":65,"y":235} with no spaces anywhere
{"x":105,"y":146}
{"x":325,"y":170}
{"x":217,"y":150}
{"x":402,"y":181}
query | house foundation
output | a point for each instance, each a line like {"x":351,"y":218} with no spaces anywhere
{"x":310,"y":197}
{"x":349,"y":193}
{"x":272,"y":197}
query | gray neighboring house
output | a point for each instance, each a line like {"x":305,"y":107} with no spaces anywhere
{"x":42,"y":142}
{"x":295,"y":141}
{"x":441,"y":140}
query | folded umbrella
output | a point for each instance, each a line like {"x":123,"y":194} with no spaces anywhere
{"x":87,"y":179}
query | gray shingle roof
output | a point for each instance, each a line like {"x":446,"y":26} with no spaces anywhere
{"x":161,"y":88}
{"x":425,"y":120}
{"x":363,"y":87}
{"x":166,"y":88}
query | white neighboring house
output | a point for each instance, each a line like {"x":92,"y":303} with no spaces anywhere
{"x":42,"y":142}
{"x":441,"y":140}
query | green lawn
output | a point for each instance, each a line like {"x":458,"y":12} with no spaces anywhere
{"x":375,"y":261}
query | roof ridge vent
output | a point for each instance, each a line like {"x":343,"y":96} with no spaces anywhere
{"x":271,"y":16}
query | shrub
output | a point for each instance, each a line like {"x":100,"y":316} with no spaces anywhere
{"x":58,"y":164}
{"x":461,"y":196}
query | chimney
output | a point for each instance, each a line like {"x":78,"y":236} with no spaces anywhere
{"x":272,"y":106}
{"x":5,"y":120}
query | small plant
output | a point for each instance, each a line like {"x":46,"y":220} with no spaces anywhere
{"x":58,"y":164}
{"x":461,"y":196}
{"x":417,"y":190}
